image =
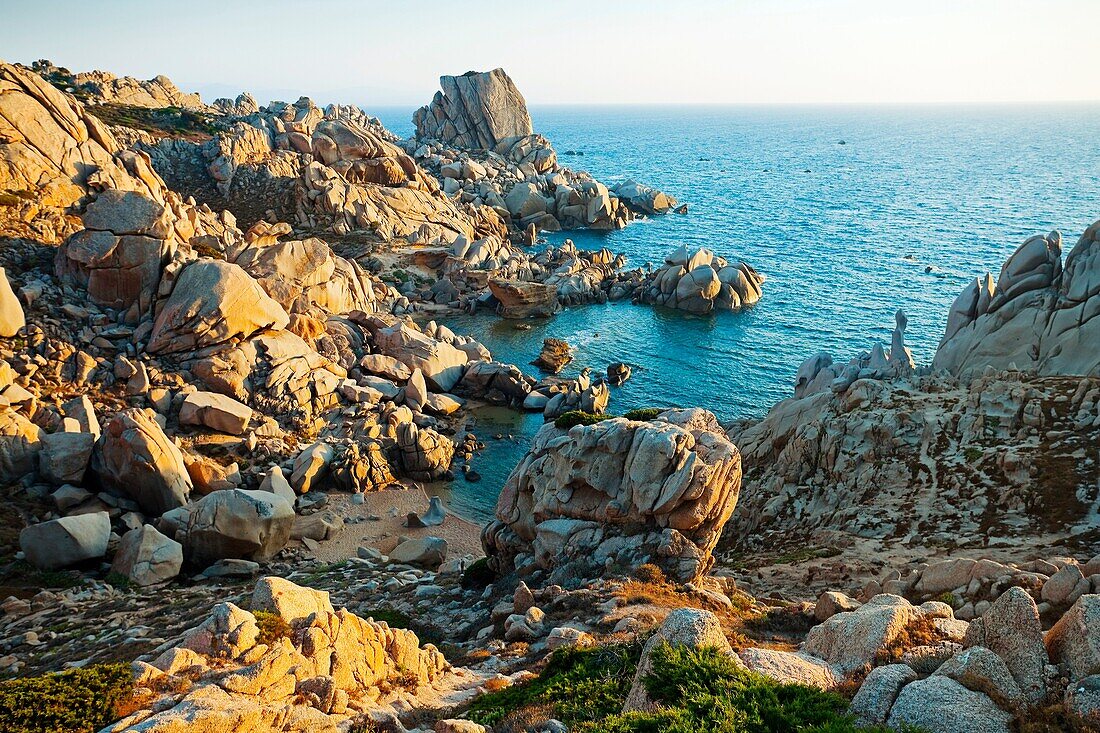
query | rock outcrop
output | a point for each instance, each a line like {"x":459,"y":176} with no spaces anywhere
{"x":53,"y":154}
{"x":475,"y":110}
{"x":1039,"y":316}
{"x":619,"y":490}
{"x":700,"y":282}
{"x":331,"y":666}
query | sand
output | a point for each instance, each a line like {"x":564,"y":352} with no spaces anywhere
{"x":463,"y":536}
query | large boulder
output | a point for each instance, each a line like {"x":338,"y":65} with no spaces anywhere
{"x":215,"y":411}
{"x":475,"y":110}
{"x":136,"y":459}
{"x":146,"y":557}
{"x":1074,"y":641}
{"x":239,"y":524}
{"x":65,"y":456}
{"x":851,"y":640}
{"x":939,"y":704}
{"x":1011,"y":629}
{"x":524,"y":299}
{"x":292,"y":602}
{"x":54,"y":150}
{"x":301,"y":275}
{"x":619,"y":490}
{"x":212,"y":302}
{"x":698,"y":282}
{"x":871,"y":705}
{"x":59,"y":543}
{"x":424,"y":454}
{"x":441,"y":363}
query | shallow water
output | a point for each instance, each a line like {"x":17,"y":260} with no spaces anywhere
{"x":917,"y":201}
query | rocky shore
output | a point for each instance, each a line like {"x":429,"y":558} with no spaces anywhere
{"x":229,"y":408}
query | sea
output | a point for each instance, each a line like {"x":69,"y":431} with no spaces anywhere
{"x":851,"y":212}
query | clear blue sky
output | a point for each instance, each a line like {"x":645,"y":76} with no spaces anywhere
{"x":572,"y":51}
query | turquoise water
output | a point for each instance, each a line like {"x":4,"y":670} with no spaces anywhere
{"x":917,"y":201}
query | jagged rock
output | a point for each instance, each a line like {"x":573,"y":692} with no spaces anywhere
{"x":59,"y":543}
{"x":1074,"y":641}
{"x":216,"y":411}
{"x":11,"y":311}
{"x":554,"y":356}
{"x":362,"y":468}
{"x":20,"y":444}
{"x":475,"y":110}
{"x":292,"y":602}
{"x":424,"y":454}
{"x":53,"y":149}
{"x":146,"y":557}
{"x":684,"y":627}
{"x":1039,"y":316}
{"x":619,"y":489}
{"x":941,"y":705}
{"x":212,"y":302}
{"x":618,"y":373}
{"x":247,"y":525}
{"x":138,"y":460}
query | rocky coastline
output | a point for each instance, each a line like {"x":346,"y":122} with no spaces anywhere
{"x":228,"y":404}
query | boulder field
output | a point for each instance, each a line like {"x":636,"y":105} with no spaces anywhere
{"x":213,"y":344}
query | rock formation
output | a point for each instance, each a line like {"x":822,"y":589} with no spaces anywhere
{"x":618,"y":491}
{"x":1039,"y":316}
{"x":477,"y":137}
{"x":699,"y":282}
{"x":475,"y":110}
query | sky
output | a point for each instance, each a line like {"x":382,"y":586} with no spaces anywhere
{"x":580,"y":52}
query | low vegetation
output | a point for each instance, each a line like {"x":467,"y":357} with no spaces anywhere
{"x":478,"y":575}
{"x":272,"y":627}
{"x":645,"y":413}
{"x":696,"y":690}
{"x":578,"y":417}
{"x":76,"y":701}
{"x":173,"y":122}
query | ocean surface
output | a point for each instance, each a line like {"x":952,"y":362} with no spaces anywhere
{"x":851,"y":213}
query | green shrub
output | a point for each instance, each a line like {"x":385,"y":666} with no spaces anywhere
{"x":697,"y":690}
{"x":272,"y":627}
{"x":74,"y":701}
{"x":478,"y":574}
{"x":646,"y":413}
{"x":577,"y":685}
{"x":577,"y":417}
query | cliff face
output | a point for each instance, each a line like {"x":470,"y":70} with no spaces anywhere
{"x":475,"y":110}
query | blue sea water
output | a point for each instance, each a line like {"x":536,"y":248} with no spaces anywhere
{"x":915,"y":202}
